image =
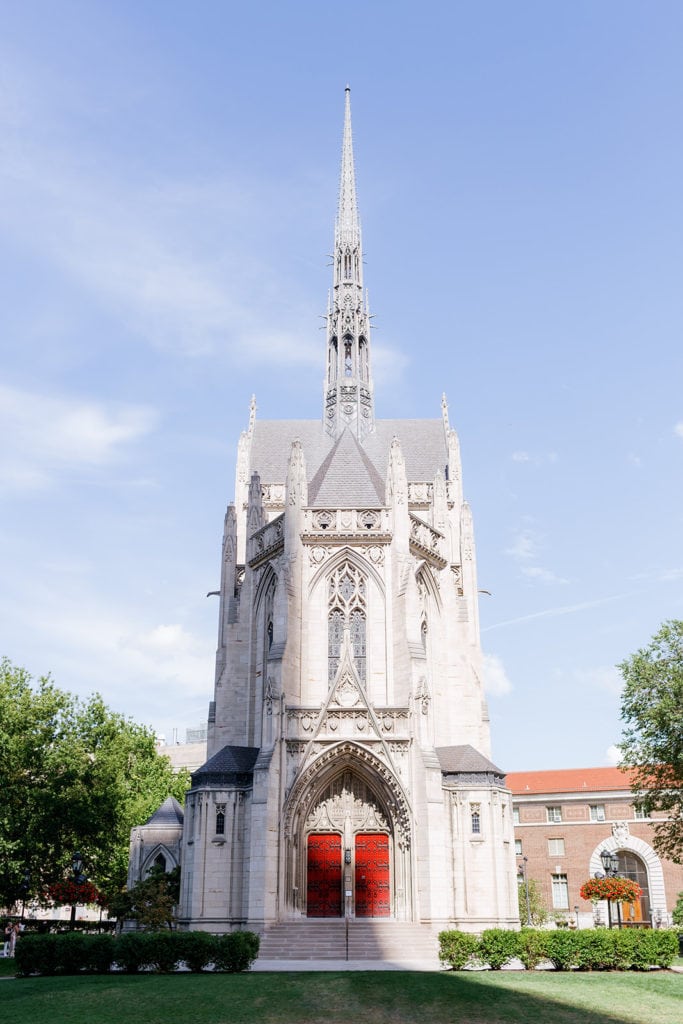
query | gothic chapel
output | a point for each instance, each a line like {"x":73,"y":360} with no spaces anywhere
{"x":348,"y":772}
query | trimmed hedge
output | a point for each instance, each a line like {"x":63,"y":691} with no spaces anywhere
{"x":135,"y":951}
{"x":591,"y":949}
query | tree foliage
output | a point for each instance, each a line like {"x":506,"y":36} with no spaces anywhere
{"x":151,"y":902}
{"x":652,"y":741}
{"x":537,"y":909}
{"x":74,"y":775}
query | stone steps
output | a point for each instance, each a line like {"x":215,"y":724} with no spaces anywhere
{"x":367,"y":940}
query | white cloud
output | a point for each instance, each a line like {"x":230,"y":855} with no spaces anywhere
{"x":536,"y":572}
{"x":600,"y":678}
{"x":678,"y":429}
{"x":496,"y":681}
{"x":536,"y":459}
{"x":613,"y":755}
{"x":43,"y":434}
{"x":524,"y":546}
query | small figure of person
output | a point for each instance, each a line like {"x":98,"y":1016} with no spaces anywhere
{"x":16,"y":929}
{"x":8,"y":936}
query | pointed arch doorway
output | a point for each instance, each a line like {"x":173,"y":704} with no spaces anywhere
{"x":348,"y":854}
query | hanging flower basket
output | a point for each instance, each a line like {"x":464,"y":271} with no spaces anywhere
{"x":69,"y":893}
{"x":618,"y":890}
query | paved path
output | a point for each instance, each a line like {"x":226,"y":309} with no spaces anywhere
{"x":346,"y":965}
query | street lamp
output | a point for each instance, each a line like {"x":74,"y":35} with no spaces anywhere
{"x":522,"y":875}
{"x":24,"y":887}
{"x":77,"y":865}
{"x":610,"y":863}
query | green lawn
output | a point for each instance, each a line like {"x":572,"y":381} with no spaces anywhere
{"x":367,"y":997}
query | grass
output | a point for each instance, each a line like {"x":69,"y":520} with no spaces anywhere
{"x":367,"y":997}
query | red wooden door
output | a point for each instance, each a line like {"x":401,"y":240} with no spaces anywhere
{"x":324,"y":890}
{"x":373,"y":889}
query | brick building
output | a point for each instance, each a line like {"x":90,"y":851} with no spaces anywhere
{"x":565,"y":819}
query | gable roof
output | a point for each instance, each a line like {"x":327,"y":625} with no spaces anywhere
{"x":569,"y":780}
{"x":346,"y":471}
{"x":170,"y":813}
{"x":423,"y":444}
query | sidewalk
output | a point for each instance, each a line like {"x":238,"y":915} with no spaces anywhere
{"x":346,"y":965}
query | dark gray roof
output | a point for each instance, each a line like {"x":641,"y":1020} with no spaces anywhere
{"x":464,"y":759}
{"x":334,"y":468}
{"x":346,"y":465}
{"x":170,"y":813}
{"x":231,"y":765}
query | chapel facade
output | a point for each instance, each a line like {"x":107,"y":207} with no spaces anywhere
{"x":348,"y":770}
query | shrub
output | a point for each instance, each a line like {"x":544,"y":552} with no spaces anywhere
{"x":497,"y":946}
{"x":36,"y":954}
{"x":164,"y":950}
{"x":457,"y":948}
{"x":134,"y":950}
{"x":665,"y":946}
{"x":235,"y":951}
{"x":562,"y":948}
{"x":98,"y":953}
{"x":531,"y":947}
{"x":70,"y":953}
{"x":197,"y":949}
{"x":595,"y":950}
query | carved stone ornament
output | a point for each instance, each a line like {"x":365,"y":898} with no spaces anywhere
{"x":620,"y":831}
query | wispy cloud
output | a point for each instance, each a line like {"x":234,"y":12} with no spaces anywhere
{"x":678,"y":429}
{"x":45,"y":434}
{"x":534,"y":458}
{"x":613,"y":755}
{"x":496,"y":681}
{"x":537,"y":572}
{"x":604,"y":677}
{"x":525,"y":548}
{"x":568,"y":609}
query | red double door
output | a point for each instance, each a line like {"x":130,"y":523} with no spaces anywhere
{"x":372,"y":889}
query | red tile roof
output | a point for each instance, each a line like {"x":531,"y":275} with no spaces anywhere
{"x":568,"y":780}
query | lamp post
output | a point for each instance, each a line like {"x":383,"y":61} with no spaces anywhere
{"x":77,"y":865}
{"x":522,"y":875}
{"x":24,"y":887}
{"x":576,"y":911}
{"x":610,"y":863}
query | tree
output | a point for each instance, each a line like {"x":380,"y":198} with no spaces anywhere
{"x":537,"y":908}
{"x":152,"y":901}
{"x":74,"y":775}
{"x":652,"y":741}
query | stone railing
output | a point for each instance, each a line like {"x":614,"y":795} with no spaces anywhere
{"x":324,"y":522}
{"x":267,"y":540}
{"x":427,"y":542}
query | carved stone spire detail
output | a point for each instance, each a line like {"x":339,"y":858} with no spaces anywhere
{"x":348,"y":382}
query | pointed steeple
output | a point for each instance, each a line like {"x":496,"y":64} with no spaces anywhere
{"x":348,"y":384}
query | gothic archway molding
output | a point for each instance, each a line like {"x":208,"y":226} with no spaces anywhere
{"x":348,"y":756}
{"x":159,"y":850}
{"x":347,"y":554}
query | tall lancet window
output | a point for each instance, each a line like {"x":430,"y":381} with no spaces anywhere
{"x":333,"y":359}
{"x":347,"y":601}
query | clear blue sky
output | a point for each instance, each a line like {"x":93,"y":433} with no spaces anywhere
{"x":168,"y":181}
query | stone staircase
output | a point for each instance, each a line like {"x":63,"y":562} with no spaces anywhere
{"x":367,"y":940}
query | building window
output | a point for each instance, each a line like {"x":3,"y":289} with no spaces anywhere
{"x":347,"y":595}
{"x":556,"y":847}
{"x":639,"y":812}
{"x":220,"y":819}
{"x":560,"y":892}
{"x":475,"y":819}
{"x":515,"y":815}
{"x":518,"y":847}
{"x":597,"y":812}
{"x":554,"y":814}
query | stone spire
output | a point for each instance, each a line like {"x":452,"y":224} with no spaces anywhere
{"x":348,"y":383}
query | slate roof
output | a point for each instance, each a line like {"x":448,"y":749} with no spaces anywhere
{"x":344,"y":472}
{"x":464,"y":758}
{"x":170,"y":813}
{"x":230,"y":765}
{"x":569,"y":780}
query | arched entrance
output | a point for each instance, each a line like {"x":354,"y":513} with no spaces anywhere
{"x":346,"y":830}
{"x":631,"y":866}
